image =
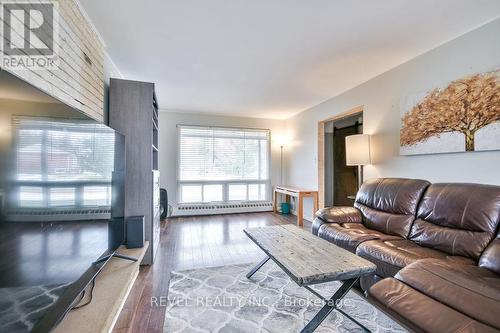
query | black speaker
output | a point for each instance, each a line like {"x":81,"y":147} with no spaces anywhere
{"x":163,"y":203}
{"x":135,"y":232}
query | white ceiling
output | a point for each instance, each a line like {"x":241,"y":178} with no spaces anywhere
{"x":13,"y":88}
{"x":272,"y":58}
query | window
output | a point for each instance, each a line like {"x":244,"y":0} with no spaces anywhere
{"x":31,"y":196}
{"x":57,"y":159}
{"x":61,"y":196}
{"x":223,"y":164}
{"x":97,"y":195}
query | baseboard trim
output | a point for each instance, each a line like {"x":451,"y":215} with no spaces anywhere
{"x":223,"y":208}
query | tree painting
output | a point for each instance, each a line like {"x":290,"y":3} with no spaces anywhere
{"x":464,"y":106}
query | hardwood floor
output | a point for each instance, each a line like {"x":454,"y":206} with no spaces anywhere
{"x":186,"y":243}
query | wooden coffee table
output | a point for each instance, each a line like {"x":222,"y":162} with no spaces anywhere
{"x":309,"y":260}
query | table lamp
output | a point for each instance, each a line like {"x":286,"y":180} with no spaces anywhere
{"x":357,"y":153}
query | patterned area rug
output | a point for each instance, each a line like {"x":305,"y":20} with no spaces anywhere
{"x":223,"y":300}
{"x":22,"y":307}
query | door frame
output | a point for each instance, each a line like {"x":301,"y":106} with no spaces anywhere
{"x":321,"y":149}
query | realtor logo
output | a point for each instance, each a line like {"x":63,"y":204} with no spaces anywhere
{"x":29,"y":31}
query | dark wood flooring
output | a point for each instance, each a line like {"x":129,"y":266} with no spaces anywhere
{"x":191,"y":242}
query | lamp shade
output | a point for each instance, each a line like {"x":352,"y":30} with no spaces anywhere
{"x":281,"y":140}
{"x":357,"y":149}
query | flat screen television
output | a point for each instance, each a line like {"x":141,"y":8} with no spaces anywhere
{"x":61,"y":205}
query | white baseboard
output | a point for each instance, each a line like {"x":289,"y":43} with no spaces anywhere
{"x":223,"y":208}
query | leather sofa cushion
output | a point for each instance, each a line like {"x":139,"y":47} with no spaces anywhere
{"x":460,"y":219}
{"x":490,"y":259}
{"x":390,"y":256}
{"x":389,"y":205}
{"x":392,"y":195}
{"x":469,"y":289}
{"x":340,"y":214}
{"x":350,"y":235}
{"x":388,"y":223}
{"x":450,"y":240}
{"x":419,"y":312}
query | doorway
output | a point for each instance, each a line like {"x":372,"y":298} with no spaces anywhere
{"x":338,"y":183}
{"x":341,"y":180}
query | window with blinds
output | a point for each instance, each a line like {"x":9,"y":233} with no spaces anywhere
{"x":223,"y":164}
{"x":62,"y":163}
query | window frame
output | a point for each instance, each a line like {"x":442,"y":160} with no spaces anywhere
{"x":225,"y":183}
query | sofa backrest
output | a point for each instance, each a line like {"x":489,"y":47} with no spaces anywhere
{"x":490,"y":259}
{"x":389,"y":205}
{"x":459,"y":219}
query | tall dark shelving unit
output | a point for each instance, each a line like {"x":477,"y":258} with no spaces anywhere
{"x":133,"y":111}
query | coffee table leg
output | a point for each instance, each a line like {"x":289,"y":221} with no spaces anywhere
{"x":330,"y":305}
{"x":256,"y":268}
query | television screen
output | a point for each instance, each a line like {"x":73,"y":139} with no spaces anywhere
{"x":61,"y":204}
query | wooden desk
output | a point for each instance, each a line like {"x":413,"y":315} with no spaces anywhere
{"x":290,"y":191}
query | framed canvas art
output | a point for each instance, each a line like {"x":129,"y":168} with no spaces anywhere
{"x":462,"y":116}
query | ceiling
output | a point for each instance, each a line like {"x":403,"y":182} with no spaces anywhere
{"x":13,"y":88}
{"x":272,"y":58}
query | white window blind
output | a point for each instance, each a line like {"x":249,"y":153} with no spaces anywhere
{"x":223,"y":164}
{"x":52,"y":150}
{"x":56,"y":158}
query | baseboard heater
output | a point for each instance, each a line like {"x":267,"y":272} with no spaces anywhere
{"x":226,"y":208}
{"x":56,"y":215}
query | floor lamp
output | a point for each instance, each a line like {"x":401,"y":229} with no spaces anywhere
{"x":281,"y":141}
{"x":281,"y":163}
{"x":285,"y":206}
{"x":357,"y":153}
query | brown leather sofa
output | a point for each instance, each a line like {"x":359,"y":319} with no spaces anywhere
{"x":435,"y":250}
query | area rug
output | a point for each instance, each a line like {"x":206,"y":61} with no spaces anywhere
{"x":223,"y":300}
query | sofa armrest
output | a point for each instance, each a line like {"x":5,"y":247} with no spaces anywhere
{"x":339,"y":214}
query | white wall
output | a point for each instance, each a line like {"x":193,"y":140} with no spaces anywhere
{"x":474,"y":52}
{"x":169,"y":142}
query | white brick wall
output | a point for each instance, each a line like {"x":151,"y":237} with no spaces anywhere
{"x":75,"y":82}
